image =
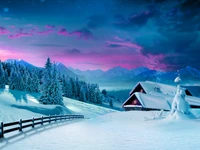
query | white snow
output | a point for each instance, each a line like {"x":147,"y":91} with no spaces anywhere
{"x":113,"y":131}
{"x":177,"y":80}
{"x":15,"y":105}
{"x":104,"y":130}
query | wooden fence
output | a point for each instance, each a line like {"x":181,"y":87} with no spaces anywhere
{"x":21,"y":124}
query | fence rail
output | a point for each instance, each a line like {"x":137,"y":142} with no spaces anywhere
{"x":21,"y":124}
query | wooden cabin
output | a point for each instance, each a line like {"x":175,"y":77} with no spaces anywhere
{"x":156,"y":96}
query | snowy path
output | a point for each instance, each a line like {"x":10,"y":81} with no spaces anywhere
{"x":115,"y":131}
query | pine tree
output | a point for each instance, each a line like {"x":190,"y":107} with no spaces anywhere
{"x":56,"y":89}
{"x":45,"y":88}
{"x":35,"y":81}
{"x":2,"y":76}
{"x":82,"y":94}
{"x":51,"y":90}
{"x":13,"y":79}
{"x":66,"y":87}
{"x":98,"y":95}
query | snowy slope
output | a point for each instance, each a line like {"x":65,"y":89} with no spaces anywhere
{"x":19,"y":104}
{"x":114,"y":131}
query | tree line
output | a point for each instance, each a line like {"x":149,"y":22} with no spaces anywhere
{"x":49,"y":82}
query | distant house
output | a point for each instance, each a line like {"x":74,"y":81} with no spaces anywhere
{"x":156,"y":96}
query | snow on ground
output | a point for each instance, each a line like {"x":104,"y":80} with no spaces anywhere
{"x":15,"y":105}
{"x":113,"y":131}
{"x":103,"y":128}
{"x":88,"y":110}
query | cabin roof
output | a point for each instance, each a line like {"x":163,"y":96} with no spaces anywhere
{"x":150,"y":101}
{"x":149,"y":86}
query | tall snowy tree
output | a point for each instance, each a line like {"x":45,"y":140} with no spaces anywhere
{"x":2,"y":76}
{"x":35,"y":81}
{"x":15,"y":80}
{"x":66,"y":86}
{"x":98,"y":97}
{"x":56,"y":89}
{"x":51,"y":91}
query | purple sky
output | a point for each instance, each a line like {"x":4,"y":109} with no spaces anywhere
{"x":102,"y":34}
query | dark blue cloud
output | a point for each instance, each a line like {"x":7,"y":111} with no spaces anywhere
{"x":96,"y":21}
{"x":113,"y":46}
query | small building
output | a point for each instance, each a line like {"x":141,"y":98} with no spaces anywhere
{"x":156,"y":96}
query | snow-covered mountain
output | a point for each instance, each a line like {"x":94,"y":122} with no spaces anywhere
{"x":118,"y":75}
{"x":137,"y":71}
{"x":88,"y":74}
{"x":21,"y":62}
{"x":62,"y":69}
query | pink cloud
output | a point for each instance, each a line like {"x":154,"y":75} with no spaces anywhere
{"x":3,"y":31}
{"x":19,"y":35}
{"x":63,"y":31}
{"x":126,"y":44}
{"x":45,"y":32}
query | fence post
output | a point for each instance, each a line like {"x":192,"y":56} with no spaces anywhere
{"x":55,"y":118}
{"x":2,"y":131}
{"x":33,"y":124}
{"x":42,"y":120}
{"x":49,"y":118}
{"x":20,"y":125}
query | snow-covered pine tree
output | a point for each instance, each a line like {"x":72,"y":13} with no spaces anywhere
{"x":51,"y":90}
{"x":180,"y":107}
{"x":98,"y":97}
{"x":28,"y":82}
{"x":66,"y":86}
{"x":92,"y":93}
{"x":45,"y":87}
{"x":2,"y":76}
{"x":13,"y":79}
{"x":56,"y":89}
{"x":35,"y":81}
{"x":6,"y":76}
{"x":74,"y":88}
{"x":82,"y":93}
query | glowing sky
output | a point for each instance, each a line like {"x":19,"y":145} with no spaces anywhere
{"x":91,"y":34}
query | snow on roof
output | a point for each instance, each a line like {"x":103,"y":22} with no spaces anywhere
{"x":153,"y":101}
{"x":149,"y":86}
{"x":159,"y":100}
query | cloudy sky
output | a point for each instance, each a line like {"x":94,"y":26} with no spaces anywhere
{"x":91,"y":34}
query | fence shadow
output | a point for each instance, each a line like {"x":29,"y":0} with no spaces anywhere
{"x":18,"y":136}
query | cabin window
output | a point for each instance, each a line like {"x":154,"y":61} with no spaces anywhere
{"x":134,"y":102}
{"x":141,"y":91}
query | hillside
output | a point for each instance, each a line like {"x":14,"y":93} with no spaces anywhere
{"x":18,"y":104}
